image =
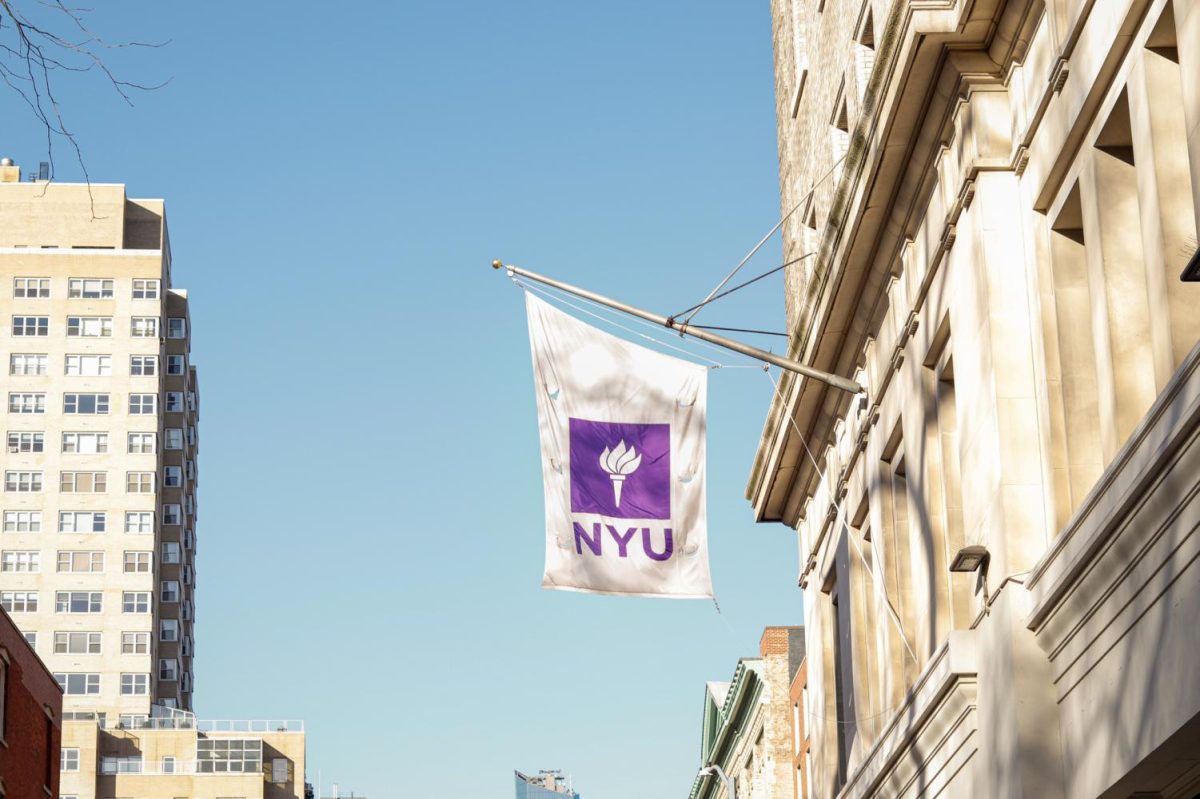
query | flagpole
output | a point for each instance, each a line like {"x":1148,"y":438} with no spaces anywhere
{"x":712,"y":338}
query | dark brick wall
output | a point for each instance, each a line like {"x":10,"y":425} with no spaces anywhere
{"x":27,"y":758}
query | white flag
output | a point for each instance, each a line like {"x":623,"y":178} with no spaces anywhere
{"x":622,"y":432}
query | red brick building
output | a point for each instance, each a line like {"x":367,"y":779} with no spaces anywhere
{"x":30,"y":718}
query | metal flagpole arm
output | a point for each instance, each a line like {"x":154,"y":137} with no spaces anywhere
{"x":836,"y":381}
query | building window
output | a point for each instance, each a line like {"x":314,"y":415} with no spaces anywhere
{"x":26,"y":403}
{"x":80,"y":562}
{"x":31,"y":326}
{"x":280,"y":771}
{"x":185,"y":684}
{"x":76,"y":643}
{"x":188,"y":574}
{"x":85,"y":443}
{"x":21,"y":363}
{"x":85,"y":403}
{"x":168,"y":669}
{"x":174,"y":402}
{"x":168,"y":765}
{"x":69,"y":758}
{"x":22,"y":521}
{"x":137,"y":562}
{"x":89,"y":326}
{"x":31,"y":288}
{"x":139,"y":482}
{"x":839,"y":134}
{"x":143,"y":404}
{"x":135,"y":602}
{"x":145,"y":289}
{"x":189,"y":540}
{"x":143,"y":365}
{"x":185,"y":610}
{"x":78,"y":684}
{"x":139,"y":522}
{"x":191,"y":436}
{"x":170,"y":591}
{"x":172,"y":515}
{"x":175,"y":365}
{"x":168,"y":630}
{"x":176,"y":327}
{"x":82,"y":521}
{"x":186,"y":648}
{"x":26,"y":442}
{"x":20,"y":561}
{"x":128,"y":764}
{"x":170,"y":552}
{"x":23,"y":482}
{"x":135,"y":643}
{"x":229,"y":755}
{"x":19,"y":601}
{"x":135,"y":684}
{"x":89,"y":365}
{"x":191,"y":400}
{"x":174,"y":438}
{"x":172,"y":476}
{"x":141,"y":443}
{"x":144,"y":327}
{"x":83,"y":482}
{"x":31,"y":639}
{"x":190,"y":469}
{"x":89,"y":289}
{"x":77,"y":601}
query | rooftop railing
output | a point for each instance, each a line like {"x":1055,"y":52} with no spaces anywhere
{"x":188,"y":723}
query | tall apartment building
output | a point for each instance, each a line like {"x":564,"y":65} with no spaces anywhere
{"x":998,"y":542}
{"x":97,"y":550}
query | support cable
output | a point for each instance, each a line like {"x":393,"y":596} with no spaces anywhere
{"x":879,"y":592}
{"x":805,"y":200}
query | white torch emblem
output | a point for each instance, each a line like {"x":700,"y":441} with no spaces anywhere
{"x":619,"y":463}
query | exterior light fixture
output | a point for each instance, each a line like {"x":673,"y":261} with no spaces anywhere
{"x":969,"y":559}
{"x":716,"y":771}
{"x":1191,"y":272}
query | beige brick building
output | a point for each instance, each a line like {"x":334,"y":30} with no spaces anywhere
{"x":998,"y":543}
{"x":98,"y":545}
{"x":747,"y":728}
{"x":99,"y":502}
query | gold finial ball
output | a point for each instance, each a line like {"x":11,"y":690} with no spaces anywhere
{"x":497,"y":264}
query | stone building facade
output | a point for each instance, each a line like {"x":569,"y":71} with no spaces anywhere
{"x":989,"y":206}
{"x":747,"y":727}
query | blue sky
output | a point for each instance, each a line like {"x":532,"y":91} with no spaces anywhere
{"x":370,"y":539}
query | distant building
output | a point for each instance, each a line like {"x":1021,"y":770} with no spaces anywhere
{"x":748,"y":726}
{"x":546,"y":785}
{"x":178,"y":755}
{"x":801,"y":755}
{"x":30,"y":718}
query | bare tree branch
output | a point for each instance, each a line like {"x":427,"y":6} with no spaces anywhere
{"x":34,"y":50}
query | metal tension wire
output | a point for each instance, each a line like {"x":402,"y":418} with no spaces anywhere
{"x":790,"y":365}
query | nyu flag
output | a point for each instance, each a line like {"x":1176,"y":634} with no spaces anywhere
{"x":622,"y":431}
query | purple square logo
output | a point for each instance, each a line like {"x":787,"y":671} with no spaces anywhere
{"x":621,"y":470}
